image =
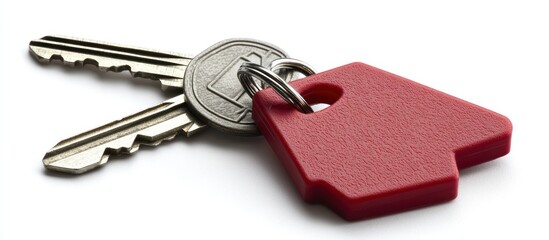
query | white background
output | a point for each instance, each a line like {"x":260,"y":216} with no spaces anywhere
{"x":494,"y":54}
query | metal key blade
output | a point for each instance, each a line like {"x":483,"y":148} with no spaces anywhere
{"x":91,"y":149}
{"x":167,"y":67}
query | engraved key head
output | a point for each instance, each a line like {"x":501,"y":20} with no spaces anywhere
{"x":212,"y":89}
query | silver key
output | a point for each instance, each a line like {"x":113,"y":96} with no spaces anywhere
{"x":212,"y":94}
{"x":91,"y":149}
{"x":166,"y":67}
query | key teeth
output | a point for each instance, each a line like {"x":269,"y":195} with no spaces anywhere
{"x":168,"y":68}
{"x":104,"y":159}
{"x":138,"y":140}
{"x":165,"y":83}
{"x":54,"y":57}
{"x":87,"y":61}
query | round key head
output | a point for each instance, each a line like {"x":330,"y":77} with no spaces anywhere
{"x":212,"y":89}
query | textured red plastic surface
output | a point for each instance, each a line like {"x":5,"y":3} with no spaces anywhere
{"x":386,"y":144}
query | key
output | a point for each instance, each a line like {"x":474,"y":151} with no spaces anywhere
{"x":385,"y":144}
{"x":212,"y":95}
{"x":166,"y":67}
{"x":91,"y":149}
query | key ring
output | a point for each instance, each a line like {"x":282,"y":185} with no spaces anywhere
{"x":248,"y":70}
{"x":292,"y":64}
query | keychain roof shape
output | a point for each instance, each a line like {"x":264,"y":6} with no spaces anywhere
{"x":386,"y":144}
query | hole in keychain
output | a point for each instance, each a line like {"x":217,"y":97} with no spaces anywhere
{"x":319,"y":106}
{"x":322,"y":96}
{"x":316,"y":105}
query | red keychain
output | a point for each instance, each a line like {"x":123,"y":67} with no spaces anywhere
{"x":386,"y":144}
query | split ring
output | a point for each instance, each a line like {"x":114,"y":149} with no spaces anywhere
{"x":249,"y":70}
